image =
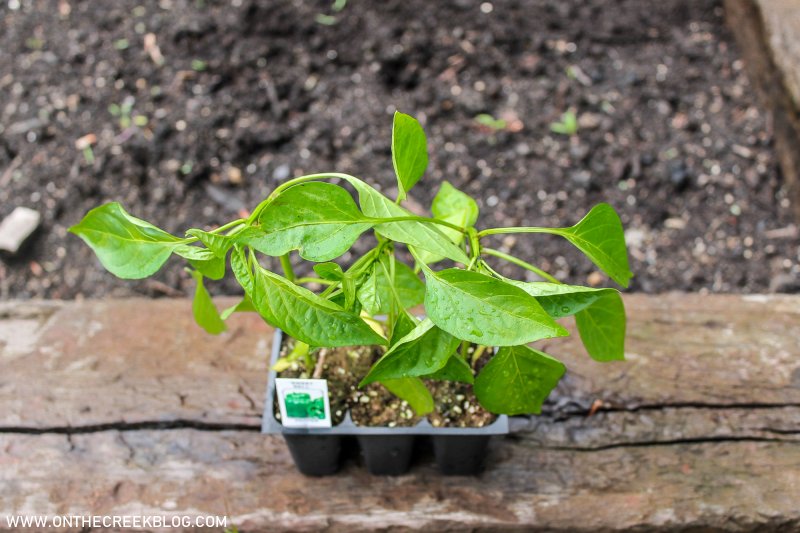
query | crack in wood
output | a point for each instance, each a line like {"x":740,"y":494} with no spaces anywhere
{"x":144,"y":425}
{"x":669,"y":442}
{"x":576,"y":409}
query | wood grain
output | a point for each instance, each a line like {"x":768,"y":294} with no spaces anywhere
{"x":120,"y":407}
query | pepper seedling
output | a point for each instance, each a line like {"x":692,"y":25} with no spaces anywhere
{"x":469,"y":304}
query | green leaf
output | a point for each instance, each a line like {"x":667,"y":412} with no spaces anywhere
{"x":349,"y":291}
{"x":403,"y":325}
{"x":219,"y":244}
{"x":456,"y":207}
{"x":456,"y":369}
{"x":409,"y":152}
{"x":517,"y":380}
{"x":376,"y":296}
{"x":244,"y":306}
{"x":205,"y":312}
{"x":422,"y":351}
{"x":299,"y":312}
{"x":329,"y":271}
{"x":421,"y":235}
{"x":602,"y":328}
{"x":128,"y":247}
{"x":318,"y":219}
{"x":204,"y":260}
{"x":560,"y":300}
{"x":599,"y":235}
{"x":413,"y":391}
{"x":485,"y":310}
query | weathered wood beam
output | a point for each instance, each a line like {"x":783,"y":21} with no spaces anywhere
{"x":118,"y":407}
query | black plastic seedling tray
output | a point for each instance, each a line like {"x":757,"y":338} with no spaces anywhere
{"x":386,"y":451}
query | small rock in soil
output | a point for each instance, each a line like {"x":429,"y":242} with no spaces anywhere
{"x":17,"y":227}
{"x":281,"y":173}
{"x":785,"y":283}
{"x":679,"y":175}
{"x":581,"y":178}
{"x":594,"y":279}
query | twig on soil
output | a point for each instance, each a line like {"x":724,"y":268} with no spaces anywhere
{"x":320,"y":364}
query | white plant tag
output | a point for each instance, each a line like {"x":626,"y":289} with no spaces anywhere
{"x":303,"y":403}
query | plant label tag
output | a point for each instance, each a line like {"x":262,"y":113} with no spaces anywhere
{"x":303,"y":403}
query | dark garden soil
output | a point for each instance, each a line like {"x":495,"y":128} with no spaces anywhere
{"x":227,"y":99}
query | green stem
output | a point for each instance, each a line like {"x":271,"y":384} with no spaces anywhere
{"x":520,"y":263}
{"x":476,"y":355}
{"x":499,"y":231}
{"x":309,"y":363}
{"x":465,"y":350}
{"x":228,"y":226}
{"x":286,"y":265}
{"x":425,"y":220}
{"x":321,"y":281}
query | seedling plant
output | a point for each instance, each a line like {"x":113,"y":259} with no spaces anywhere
{"x":469,"y":308}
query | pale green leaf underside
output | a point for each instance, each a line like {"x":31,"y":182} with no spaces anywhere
{"x":455,"y":207}
{"x":329,"y":271}
{"x":560,"y":300}
{"x":298,"y":311}
{"x":243,"y":306}
{"x":219,"y":244}
{"x":422,"y":351}
{"x":517,"y":380}
{"x":421,"y":235}
{"x":128,"y":247}
{"x":204,"y":260}
{"x":205,"y":312}
{"x":485,"y":310}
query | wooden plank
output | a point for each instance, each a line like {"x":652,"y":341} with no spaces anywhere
{"x":120,"y":407}
{"x":735,"y":486}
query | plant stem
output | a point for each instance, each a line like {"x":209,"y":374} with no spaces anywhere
{"x":465,"y":350}
{"x":520,"y":263}
{"x":301,"y":281}
{"x":286,"y":264}
{"x":425,"y":220}
{"x":476,"y":355}
{"x":499,"y":231}
{"x":228,"y":226}
{"x":309,"y":362}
